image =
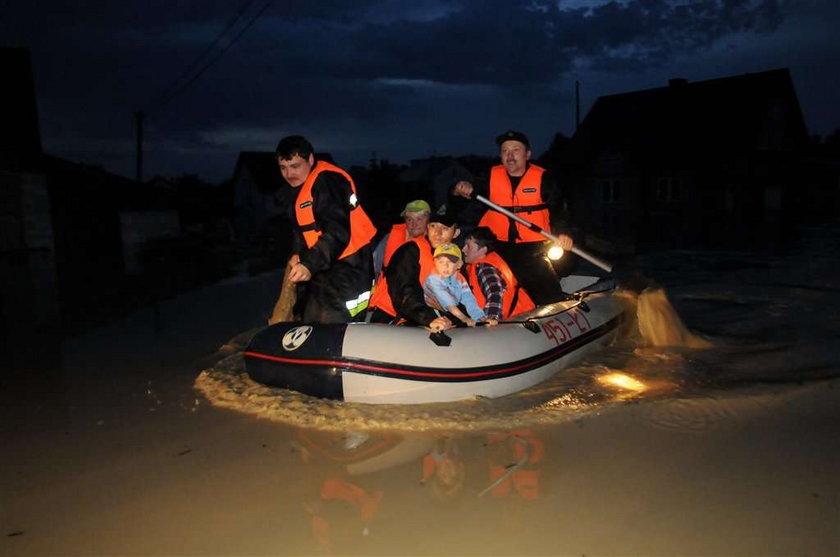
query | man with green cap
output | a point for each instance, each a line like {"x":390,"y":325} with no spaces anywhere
{"x":400,"y":297}
{"x":415,"y":218}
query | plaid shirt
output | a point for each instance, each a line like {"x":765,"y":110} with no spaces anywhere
{"x":493,"y":285}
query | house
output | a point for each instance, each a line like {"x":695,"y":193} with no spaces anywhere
{"x":693,"y":163}
{"x":256,"y":184}
{"x":431,"y":178}
{"x":70,"y":233}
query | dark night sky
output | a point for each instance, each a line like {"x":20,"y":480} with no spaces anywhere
{"x":401,"y":79}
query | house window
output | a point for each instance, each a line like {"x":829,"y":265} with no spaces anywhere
{"x":668,"y":189}
{"x":611,"y":191}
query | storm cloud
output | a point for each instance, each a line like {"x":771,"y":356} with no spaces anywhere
{"x":396,"y":78}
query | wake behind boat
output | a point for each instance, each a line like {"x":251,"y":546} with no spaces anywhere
{"x":386,"y":364}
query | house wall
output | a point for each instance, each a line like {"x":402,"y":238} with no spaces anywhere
{"x":137,"y":227}
{"x":88,"y":241}
{"x":29,"y":310}
{"x":252,"y":208}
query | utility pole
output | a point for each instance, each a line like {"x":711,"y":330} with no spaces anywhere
{"x":139,"y":115}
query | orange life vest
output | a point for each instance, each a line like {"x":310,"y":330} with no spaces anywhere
{"x":396,"y":238}
{"x":527,"y":199}
{"x":526,"y":479}
{"x":523,"y":300}
{"x":362,"y":229}
{"x":380,"y":298}
{"x":359,"y":501}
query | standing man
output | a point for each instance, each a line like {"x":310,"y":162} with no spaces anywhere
{"x":529,"y":191}
{"x":405,"y":274}
{"x":331,"y":252}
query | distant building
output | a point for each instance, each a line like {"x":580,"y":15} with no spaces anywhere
{"x":712,"y":162}
{"x":432,"y":178}
{"x":70,"y":233}
{"x":256,"y":184}
{"x":29,"y":311}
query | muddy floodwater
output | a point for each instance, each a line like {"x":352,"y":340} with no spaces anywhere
{"x":710,"y":428}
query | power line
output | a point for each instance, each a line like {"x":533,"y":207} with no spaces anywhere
{"x":242,"y":9}
{"x":175,"y":89}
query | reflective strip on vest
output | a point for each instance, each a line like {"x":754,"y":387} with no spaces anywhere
{"x":358,"y":304}
{"x":362,"y":229}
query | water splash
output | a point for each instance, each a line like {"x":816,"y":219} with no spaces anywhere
{"x":658,"y":322}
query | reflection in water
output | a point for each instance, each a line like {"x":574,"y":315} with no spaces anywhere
{"x":361,"y":482}
{"x":622,"y":381}
{"x":513,"y":458}
{"x":348,"y":498}
{"x":443,"y":467}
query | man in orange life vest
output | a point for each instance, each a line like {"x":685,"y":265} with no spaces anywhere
{"x":529,"y":191}
{"x":400,"y":295}
{"x":331,"y":251}
{"x":415,"y":218}
{"x":495,"y":287}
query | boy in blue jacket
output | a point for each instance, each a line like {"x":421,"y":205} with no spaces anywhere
{"x":446,"y":289}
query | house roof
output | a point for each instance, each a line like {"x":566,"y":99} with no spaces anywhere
{"x":755,"y":111}
{"x":262,"y":167}
{"x":425,"y":170}
{"x":75,"y":180}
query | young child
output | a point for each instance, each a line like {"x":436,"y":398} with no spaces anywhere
{"x":445,"y":288}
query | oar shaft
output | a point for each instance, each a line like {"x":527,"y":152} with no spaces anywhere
{"x":576,"y":250}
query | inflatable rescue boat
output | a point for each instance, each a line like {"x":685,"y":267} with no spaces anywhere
{"x":388,"y":364}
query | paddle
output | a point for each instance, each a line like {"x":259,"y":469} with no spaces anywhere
{"x":576,"y":250}
{"x":286,"y":302}
{"x":652,"y":305}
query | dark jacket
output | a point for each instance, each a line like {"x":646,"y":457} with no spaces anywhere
{"x":334,"y":281}
{"x":403,"y":275}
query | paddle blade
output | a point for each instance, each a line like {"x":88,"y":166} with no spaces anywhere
{"x":283,"y":308}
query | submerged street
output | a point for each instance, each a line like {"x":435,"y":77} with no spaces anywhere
{"x":638,"y":451}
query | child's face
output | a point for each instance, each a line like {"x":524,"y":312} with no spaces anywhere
{"x":445,"y":266}
{"x":472,"y":252}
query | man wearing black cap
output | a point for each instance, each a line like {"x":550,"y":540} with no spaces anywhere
{"x":529,"y":191}
{"x":406,"y":272}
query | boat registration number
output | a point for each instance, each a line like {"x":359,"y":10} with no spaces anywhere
{"x":566,"y":326}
